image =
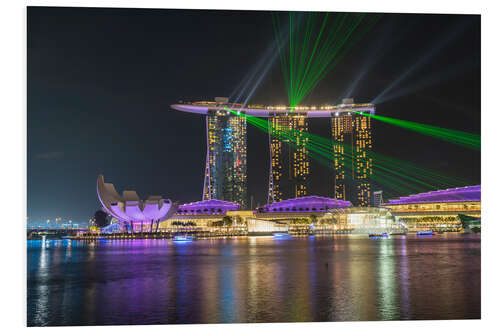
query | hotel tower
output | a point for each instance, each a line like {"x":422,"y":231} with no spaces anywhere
{"x":226,"y":161}
{"x":225,"y":175}
{"x":352,"y":163}
{"x":289,"y":163}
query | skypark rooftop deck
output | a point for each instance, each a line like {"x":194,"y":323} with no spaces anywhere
{"x":263,"y":111}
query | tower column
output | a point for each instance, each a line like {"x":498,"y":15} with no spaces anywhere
{"x":225,"y":175}
{"x":289,"y":161}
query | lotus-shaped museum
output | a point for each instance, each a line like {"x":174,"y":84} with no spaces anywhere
{"x":130,"y":209}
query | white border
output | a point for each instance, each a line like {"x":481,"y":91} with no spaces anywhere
{"x":13,"y":131}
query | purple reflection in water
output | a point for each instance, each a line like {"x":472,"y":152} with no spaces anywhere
{"x":253,"y":279}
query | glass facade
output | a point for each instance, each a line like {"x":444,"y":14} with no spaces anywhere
{"x":289,"y":163}
{"x":353,"y":167}
{"x":372,"y":220}
{"x":226,"y":164}
{"x":256,"y":226}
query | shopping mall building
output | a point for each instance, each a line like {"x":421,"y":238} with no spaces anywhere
{"x":311,"y":214}
{"x":437,"y":210}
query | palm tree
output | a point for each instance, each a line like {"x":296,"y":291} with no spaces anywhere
{"x":227,"y":221}
{"x":239,"y":220}
{"x":218,"y":223}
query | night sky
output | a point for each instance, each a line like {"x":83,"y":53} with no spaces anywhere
{"x":100,"y":83}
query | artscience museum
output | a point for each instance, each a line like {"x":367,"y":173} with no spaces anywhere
{"x":133,"y":213}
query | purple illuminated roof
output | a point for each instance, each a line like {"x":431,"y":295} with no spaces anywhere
{"x":298,"y":205}
{"x":207,"y":207}
{"x":467,"y":193}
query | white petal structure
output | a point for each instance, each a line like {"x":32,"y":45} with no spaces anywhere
{"x":129,"y":208}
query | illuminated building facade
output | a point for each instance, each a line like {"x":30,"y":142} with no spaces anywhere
{"x":225,"y":170}
{"x":225,"y":176}
{"x":372,"y":220}
{"x":200,"y":215}
{"x":352,"y":164}
{"x":378,"y":199}
{"x":289,"y":163}
{"x":305,"y":205}
{"x":133,"y":213}
{"x":437,"y":210}
{"x":226,"y":163}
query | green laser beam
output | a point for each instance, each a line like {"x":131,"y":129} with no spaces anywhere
{"x":465,"y":139}
{"x":322,"y":150}
{"x":316,"y":47}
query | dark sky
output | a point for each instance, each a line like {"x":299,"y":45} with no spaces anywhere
{"x":100,"y":82}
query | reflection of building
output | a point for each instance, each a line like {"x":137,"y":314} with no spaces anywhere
{"x":437,"y":209}
{"x":226,"y":163}
{"x":352,"y":144}
{"x":289,"y":167}
{"x":136,"y":214}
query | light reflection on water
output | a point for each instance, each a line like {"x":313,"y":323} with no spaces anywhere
{"x":387,"y":282}
{"x":254,"y":279}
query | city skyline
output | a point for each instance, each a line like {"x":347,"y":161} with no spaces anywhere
{"x":258,"y":166}
{"x":122,"y":125}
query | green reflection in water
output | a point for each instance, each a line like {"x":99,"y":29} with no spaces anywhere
{"x":387,"y":281}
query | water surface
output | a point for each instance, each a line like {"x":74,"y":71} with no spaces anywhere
{"x":254,"y":279}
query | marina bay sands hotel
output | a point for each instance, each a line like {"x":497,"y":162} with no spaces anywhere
{"x":289,"y":165}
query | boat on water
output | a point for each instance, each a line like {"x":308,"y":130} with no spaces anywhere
{"x":425,"y":233}
{"x":183,"y":238}
{"x":379,"y":235}
{"x":282,"y":235}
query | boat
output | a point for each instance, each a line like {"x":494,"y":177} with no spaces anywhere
{"x":379,"y":235}
{"x":425,"y":233}
{"x":183,"y":238}
{"x":281,"y":235}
